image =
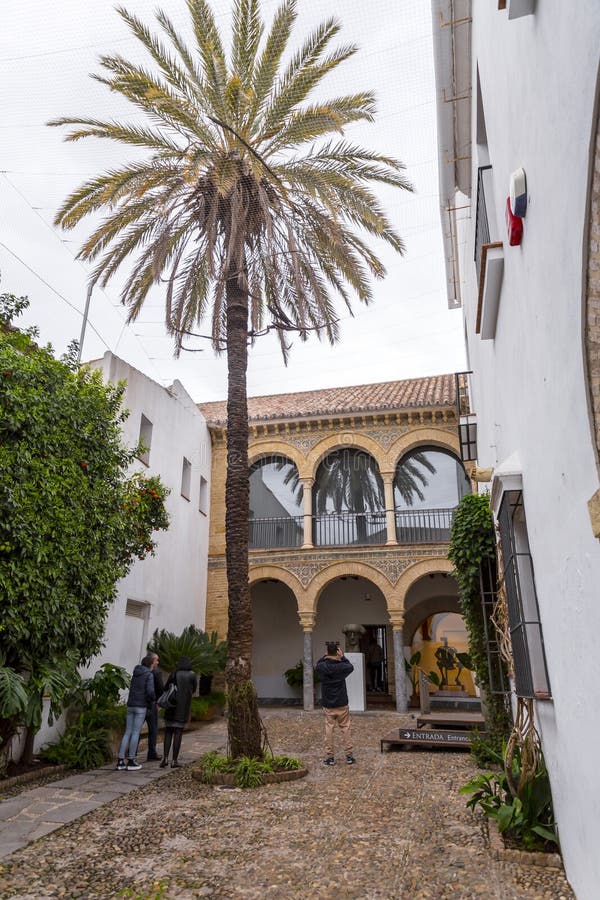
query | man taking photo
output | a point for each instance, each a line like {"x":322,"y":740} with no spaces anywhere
{"x":333,"y":669}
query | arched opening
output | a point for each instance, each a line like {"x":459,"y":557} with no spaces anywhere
{"x":275,"y":504}
{"x":429,"y":483}
{"x":277,"y":644}
{"x":436,"y":640}
{"x":354,"y":600}
{"x":348,"y":500}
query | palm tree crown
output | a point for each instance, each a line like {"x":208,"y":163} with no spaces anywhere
{"x":241,"y":179}
{"x":248,"y":209}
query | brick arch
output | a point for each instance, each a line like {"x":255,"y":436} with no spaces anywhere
{"x":419,"y":437}
{"x":258,"y":573}
{"x":416,"y":571}
{"x":349,"y":567}
{"x":591,"y":300}
{"x":275,"y":448}
{"x":355,"y":441}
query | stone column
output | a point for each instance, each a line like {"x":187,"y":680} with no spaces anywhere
{"x":307,"y":484}
{"x":390,"y":517}
{"x":399,"y":669}
{"x":308,"y":688}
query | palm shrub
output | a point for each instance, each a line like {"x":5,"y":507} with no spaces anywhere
{"x":249,"y":207}
{"x":206,"y":652}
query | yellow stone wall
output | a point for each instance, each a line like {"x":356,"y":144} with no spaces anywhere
{"x":307,"y":571}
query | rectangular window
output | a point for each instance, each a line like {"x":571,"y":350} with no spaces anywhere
{"x":135,"y":629}
{"x":145,"y":439}
{"x":186,"y":478}
{"x":531,"y":673}
{"x":203,"y":506}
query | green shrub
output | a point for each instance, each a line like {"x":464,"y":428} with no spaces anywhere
{"x":80,"y":747}
{"x":527,"y":819}
{"x":248,"y":771}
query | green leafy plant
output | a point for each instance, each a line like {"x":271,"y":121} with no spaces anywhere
{"x":104,"y":688}
{"x":526,"y":819}
{"x":83,"y":746}
{"x":206,"y":652}
{"x":295,"y":675}
{"x":248,"y":771}
{"x":72,"y":517}
{"x":472,"y":545}
{"x":206,"y":707}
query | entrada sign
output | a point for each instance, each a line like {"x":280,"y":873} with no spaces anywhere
{"x":436,"y":737}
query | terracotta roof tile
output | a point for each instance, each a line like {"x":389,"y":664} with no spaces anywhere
{"x":437,"y":390}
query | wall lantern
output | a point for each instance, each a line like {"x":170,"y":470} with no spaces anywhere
{"x":467,"y":432}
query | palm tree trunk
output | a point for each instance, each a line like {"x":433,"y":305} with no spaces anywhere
{"x":244,"y":726}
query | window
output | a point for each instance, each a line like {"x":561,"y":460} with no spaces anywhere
{"x":145,"y":439}
{"x":531,"y":674}
{"x":348,"y":500}
{"x":135,"y":629}
{"x":428,"y":486}
{"x":203,"y":505}
{"x":186,"y":478}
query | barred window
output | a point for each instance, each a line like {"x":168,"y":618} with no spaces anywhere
{"x":531,"y":673}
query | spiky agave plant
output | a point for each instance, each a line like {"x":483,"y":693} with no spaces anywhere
{"x":248,"y":210}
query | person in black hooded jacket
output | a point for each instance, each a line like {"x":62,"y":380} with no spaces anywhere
{"x":333,"y":669}
{"x":176,"y":717}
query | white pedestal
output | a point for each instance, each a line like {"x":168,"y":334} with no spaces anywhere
{"x":355,"y":683}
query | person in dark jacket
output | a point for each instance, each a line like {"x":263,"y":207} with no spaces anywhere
{"x":152,"y":710}
{"x":141,"y":694}
{"x":333,"y":669}
{"x":176,"y":717}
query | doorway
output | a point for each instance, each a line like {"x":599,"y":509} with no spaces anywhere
{"x":373,"y":643}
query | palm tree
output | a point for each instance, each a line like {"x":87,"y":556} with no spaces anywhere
{"x":246,"y":208}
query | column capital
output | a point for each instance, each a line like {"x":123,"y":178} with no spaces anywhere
{"x":307,"y":621}
{"x":387,"y":474}
{"x":307,"y":481}
{"x":397,"y":619}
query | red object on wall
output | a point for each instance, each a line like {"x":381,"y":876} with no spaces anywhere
{"x":514,"y":226}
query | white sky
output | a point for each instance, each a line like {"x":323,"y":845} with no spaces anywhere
{"x":47,"y":51}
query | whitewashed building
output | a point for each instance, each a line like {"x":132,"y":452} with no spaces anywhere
{"x":518,"y":95}
{"x":169,"y":589}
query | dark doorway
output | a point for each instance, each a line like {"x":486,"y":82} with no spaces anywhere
{"x":373,"y":644}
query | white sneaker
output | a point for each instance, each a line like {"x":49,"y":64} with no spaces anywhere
{"x":132,"y":765}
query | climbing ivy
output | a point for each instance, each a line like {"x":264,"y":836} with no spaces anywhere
{"x":471,"y":544}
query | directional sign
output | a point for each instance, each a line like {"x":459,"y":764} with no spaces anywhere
{"x":435,"y":737}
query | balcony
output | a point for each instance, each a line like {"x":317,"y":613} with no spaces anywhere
{"x":424,"y":526}
{"x":275,"y":532}
{"x":345,"y":529}
{"x":489,"y":257}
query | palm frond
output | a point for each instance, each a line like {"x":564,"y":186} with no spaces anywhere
{"x":267,"y":65}
{"x":247,"y":32}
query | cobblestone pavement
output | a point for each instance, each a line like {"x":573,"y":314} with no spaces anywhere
{"x":392,"y":826}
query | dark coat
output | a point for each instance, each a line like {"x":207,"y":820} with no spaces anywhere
{"x":158,"y":685}
{"x":186,"y":686}
{"x":141,"y":689}
{"x":333,"y":674}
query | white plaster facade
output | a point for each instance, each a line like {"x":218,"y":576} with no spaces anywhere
{"x":533,"y":84}
{"x":168,"y":590}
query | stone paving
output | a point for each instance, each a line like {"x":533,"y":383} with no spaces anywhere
{"x":392,"y":826}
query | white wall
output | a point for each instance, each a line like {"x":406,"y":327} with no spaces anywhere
{"x":538,"y":80}
{"x":173,"y":583}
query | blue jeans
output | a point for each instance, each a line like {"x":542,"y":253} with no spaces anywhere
{"x":133,"y":726}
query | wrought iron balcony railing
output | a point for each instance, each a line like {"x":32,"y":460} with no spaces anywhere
{"x":482,"y":225}
{"x":424,"y":526}
{"x":413,"y":526}
{"x":345,"y":528}
{"x":286,"y":531}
